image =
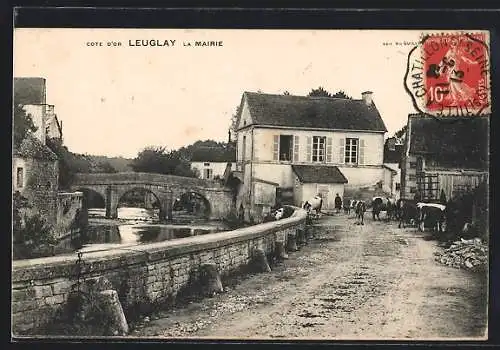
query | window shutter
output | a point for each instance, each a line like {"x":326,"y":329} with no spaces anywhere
{"x":309,"y":149}
{"x":341,"y":150}
{"x":276,"y":146}
{"x":329,"y":150}
{"x":361,"y":151}
{"x":295,"y":148}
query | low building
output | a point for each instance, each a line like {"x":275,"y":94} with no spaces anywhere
{"x":276,"y":133}
{"x":311,"y":180}
{"x":212,"y":164}
{"x":444,"y":156}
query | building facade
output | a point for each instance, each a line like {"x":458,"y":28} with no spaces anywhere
{"x":277,"y":132}
{"x":444,"y":157}
{"x":31,"y":94}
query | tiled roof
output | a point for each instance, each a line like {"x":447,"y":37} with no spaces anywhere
{"x":313,"y":112}
{"x":461,"y":142}
{"x":29,"y":91}
{"x":319,"y":174}
{"x":393,"y":156}
{"x":32,"y":148}
{"x":227,"y":154}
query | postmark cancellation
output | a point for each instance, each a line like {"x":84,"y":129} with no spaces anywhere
{"x":448,"y":74}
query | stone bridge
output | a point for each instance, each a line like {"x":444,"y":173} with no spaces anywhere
{"x":166,"y":188}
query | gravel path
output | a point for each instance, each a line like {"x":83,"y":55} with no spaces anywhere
{"x":351,"y":282}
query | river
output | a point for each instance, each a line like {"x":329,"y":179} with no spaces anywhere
{"x":133,"y":227}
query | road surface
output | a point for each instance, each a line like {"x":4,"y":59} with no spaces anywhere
{"x":351,"y":282}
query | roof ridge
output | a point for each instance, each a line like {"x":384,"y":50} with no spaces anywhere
{"x":303,"y":96}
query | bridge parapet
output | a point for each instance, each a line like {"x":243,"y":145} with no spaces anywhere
{"x":134,"y":177}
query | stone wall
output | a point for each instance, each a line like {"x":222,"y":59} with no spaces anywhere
{"x":69,"y":208}
{"x":142,"y":275}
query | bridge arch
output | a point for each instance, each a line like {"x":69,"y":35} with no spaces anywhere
{"x":193,"y":201}
{"x":92,"y":199}
{"x":142,"y":191}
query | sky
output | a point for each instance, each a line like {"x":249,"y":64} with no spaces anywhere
{"x":116,"y":100}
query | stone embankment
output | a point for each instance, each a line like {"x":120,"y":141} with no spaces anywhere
{"x":148,"y":274}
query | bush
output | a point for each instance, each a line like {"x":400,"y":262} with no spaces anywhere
{"x":32,"y":236}
{"x":34,"y":239}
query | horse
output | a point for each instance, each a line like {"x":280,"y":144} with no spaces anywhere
{"x":383,"y":204}
{"x":406,"y":212}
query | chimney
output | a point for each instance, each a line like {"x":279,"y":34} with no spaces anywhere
{"x":367,"y":97}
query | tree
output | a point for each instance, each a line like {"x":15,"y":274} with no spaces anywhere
{"x":341,"y":94}
{"x":234,"y":123}
{"x":104,"y":167}
{"x":23,"y":124}
{"x":156,"y":159}
{"x":69,"y":163}
{"x":319,"y":92}
{"x":401,"y":133}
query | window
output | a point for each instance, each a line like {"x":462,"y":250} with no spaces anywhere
{"x":318,"y":149}
{"x":398,"y":186}
{"x":413,"y":189}
{"x":285,"y":147}
{"x":413,"y":165}
{"x":20,"y":177}
{"x":351,"y":151}
{"x":411,"y":177}
{"x":206,"y":164}
{"x":243,"y":153}
{"x":207,"y":173}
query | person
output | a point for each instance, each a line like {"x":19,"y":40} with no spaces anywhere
{"x":338,"y":203}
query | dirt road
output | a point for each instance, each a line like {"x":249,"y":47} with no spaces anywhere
{"x":351,"y":282}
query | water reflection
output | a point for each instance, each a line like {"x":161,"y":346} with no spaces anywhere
{"x":136,"y":226}
{"x":134,"y":214}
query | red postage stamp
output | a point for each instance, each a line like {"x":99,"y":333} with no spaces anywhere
{"x":448,"y":74}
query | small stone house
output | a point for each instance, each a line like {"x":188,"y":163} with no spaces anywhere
{"x":35,"y":174}
{"x":444,"y":156}
{"x":212,"y":164}
{"x":328,"y":181}
{"x":277,"y":133}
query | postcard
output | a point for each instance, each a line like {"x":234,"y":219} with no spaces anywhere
{"x":250,"y":184}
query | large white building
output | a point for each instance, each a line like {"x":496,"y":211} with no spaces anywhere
{"x":293,"y":147}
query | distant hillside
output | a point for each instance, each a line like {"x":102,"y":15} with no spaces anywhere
{"x":119,"y":163}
